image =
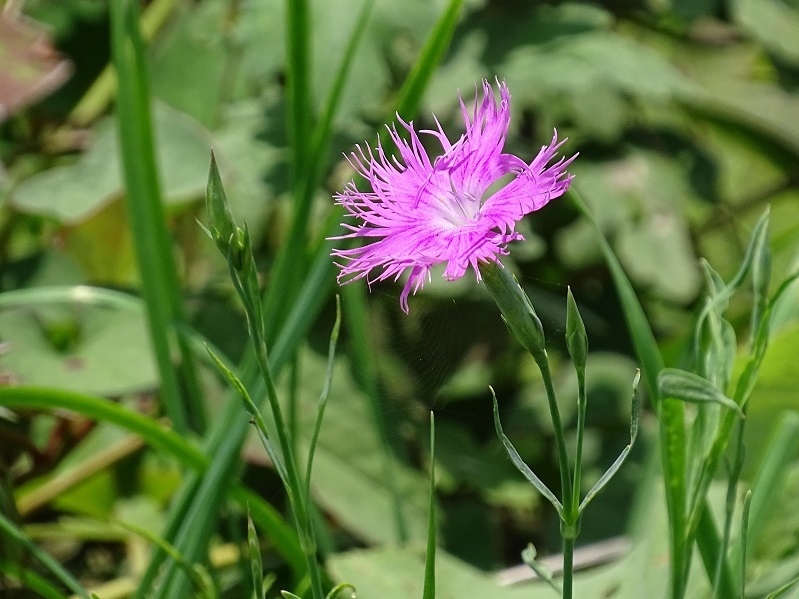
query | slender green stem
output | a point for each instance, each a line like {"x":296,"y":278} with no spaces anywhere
{"x":560,"y":441}
{"x":295,"y":488}
{"x":189,"y":511}
{"x":671,"y":412}
{"x":582,"y":406}
{"x":519,"y":314}
{"x":293,"y":402}
{"x":570,"y":499}
{"x":568,"y":566}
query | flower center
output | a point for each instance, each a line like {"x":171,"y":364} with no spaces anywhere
{"x":458,"y":207}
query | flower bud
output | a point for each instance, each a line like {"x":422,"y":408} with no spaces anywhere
{"x":516,"y":308}
{"x":576,"y":337}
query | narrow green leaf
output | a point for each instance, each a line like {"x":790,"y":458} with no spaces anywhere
{"x":198,"y":575}
{"x":10,"y":530}
{"x":255,"y":415}
{"x":285,"y":272}
{"x":610,"y":472}
{"x":256,"y":564}
{"x":543,"y":571}
{"x":783,"y":589}
{"x":340,"y":588}
{"x":189,"y":510}
{"x":269,"y":581}
{"x":160,"y":287}
{"x":761,"y":274}
{"x":410,"y":96}
{"x":298,"y":83}
{"x":690,"y":387}
{"x":710,"y":552}
{"x":429,"y":591}
{"x":320,"y":413}
{"x":280,"y":534}
{"x":770,"y":477}
{"x":745,"y":538}
{"x":720,"y":299}
{"x":29,"y":580}
{"x":519,"y":463}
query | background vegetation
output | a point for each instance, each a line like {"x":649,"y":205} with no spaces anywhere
{"x":686,"y":118}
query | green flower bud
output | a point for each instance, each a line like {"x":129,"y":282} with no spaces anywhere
{"x":576,"y":337}
{"x":222,"y":226}
{"x":516,"y":309}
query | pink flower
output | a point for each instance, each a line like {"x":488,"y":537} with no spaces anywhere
{"x":420,"y":213}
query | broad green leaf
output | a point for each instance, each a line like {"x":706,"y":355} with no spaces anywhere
{"x":757,"y":106}
{"x":78,"y":348}
{"x":72,"y":193}
{"x":774,"y":23}
{"x":396,"y":573}
{"x":197,"y":47}
{"x":596,"y":59}
{"x":658,"y":254}
{"x":639,"y":202}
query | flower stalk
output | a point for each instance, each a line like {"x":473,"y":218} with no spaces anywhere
{"x":234,"y":243}
{"x":518,"y":312}
{"x":454,"y":210}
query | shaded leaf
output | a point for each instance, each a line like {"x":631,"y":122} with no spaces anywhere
{"x":72,"y":193}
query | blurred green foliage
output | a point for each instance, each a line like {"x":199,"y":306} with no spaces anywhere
{"x":686,"y":117}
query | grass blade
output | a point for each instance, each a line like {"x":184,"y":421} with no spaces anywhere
{"x":228,"y":434}
{"x":9,"y":529}
{"x":192,"y":510}
{"x":429,"y":591}
{"x":284,"y":273}
{"x":29,"y":580}
{"x":161,"y":439}
{"x":256,"y":564}
{"x":410,"y":96}
{"x":519,"y":463}
{"x":770,"y":478}
{"x":160,"y":288}
{"x":298,"y":86}
{"x":320,"y":412}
